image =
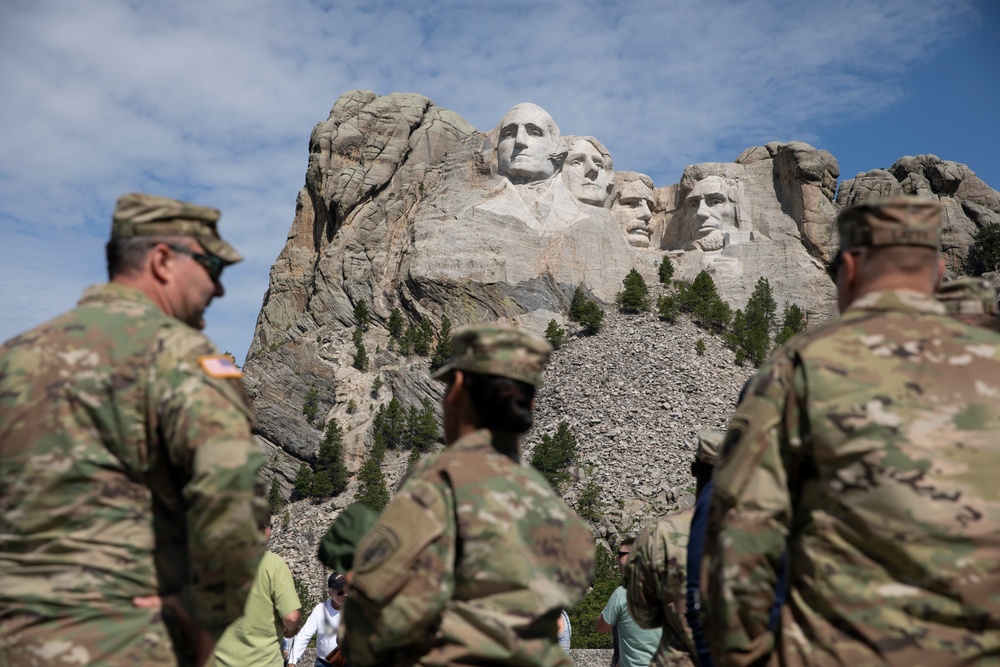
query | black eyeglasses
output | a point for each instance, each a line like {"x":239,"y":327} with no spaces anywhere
{"x":622,"y":554}
{"x":212,"y":264}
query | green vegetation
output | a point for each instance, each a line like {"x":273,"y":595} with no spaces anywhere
{"x":702,"y":301}
{"x":361,"y":358}
{"x":330,"y":462}
{"x":554,"y":454}
{"x":984,"y":253}
{"x":376,"y":386}
{"x":583,"y":617}
{"x":442,"y":351}
{"x":634,"y":298}
{"x":590,"y":504}
{"x":555,"y":334}
{"x":699,"y":347}
{"x":666,"y":270}
{"x":275,"y":501}
{"x":668,"y":307}
{"x":310,"y":407}
{"x":372,"y":490}
{"x":396,"y":324}
{"x":793,"y":321}
{"x":750,"y":335}
{"x":362,"y":316}
{"x":303,"y":481}
{"x":306,"y":599}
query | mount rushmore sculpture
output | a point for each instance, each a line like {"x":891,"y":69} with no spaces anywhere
{"x":407,"y":206}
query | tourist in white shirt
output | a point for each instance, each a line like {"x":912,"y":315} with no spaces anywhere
{"x":322,"y":622}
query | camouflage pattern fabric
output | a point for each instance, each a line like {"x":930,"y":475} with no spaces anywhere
{"x":869,"y":448}
{"x":496,"y":350}
{"x":656,"y":578}
{"x":126,"y":470}
{"x":470,"y":564}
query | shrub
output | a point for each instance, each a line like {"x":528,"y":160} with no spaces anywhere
{"x":576,"y":304}
{"x":310,"y":406}
{"x":666,"y":270}
{"x":555,"y":334}
{"x":372,"y":491}
{"x":303,"y":481}
{"x":583,"y":616}
{"x":442,"y":352}
{"x":701,"y":299}
{"x":361,"y":358}
{"x":352,"y":406}
{"x":396,"y":323}
{"x":275,"y":501}
{"x":376,"y":386}
{"x":554,"y":454}
{"x":699,"y":347}
{"x":590,"y":503}
{"x":592,"y":317}
{"x":984,"y":253}
{"x":793,"y":321}
{"x":634,"y":298}
{"x":330,"y":461}
{"x":362,"y":316}
{"x":668,"y":307}
{"x":306,"y":599}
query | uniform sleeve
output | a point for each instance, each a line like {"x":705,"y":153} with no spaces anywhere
{"x":646,"y":577}
{"x":749,"y":519}
{"x":403,"y":575}
{"x":301,"y":640}
{"x":204,"y":422}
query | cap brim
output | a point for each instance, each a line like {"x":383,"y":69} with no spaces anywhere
{"x":442,"y":373}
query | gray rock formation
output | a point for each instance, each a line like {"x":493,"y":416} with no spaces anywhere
{"x":405,"y":205}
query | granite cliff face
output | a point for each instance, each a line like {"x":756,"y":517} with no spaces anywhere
{"x":407,"y":206}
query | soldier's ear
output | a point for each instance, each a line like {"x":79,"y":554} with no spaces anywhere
{"x":160,"y":262}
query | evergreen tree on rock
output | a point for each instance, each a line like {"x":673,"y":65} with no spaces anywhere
{"x":634,"y":298}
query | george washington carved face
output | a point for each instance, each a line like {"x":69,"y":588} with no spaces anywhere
{"x":528,"y":146}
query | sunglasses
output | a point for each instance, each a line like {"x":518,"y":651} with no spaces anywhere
{"x":834,"y":266}
{"x":212,"y":264}
{"x":622,"y":554}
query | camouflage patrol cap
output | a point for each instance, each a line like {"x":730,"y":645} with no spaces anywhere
{"x":709,"y":446}
{"x":496,"y":350}
{"x":969,"y":296}
{"x":886,"y":222}
{"x":149,"y":215}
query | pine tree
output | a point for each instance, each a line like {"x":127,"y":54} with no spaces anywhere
{"x":590,"y":504}
{"x":390,"y":424}
{"x":555,"y":334}
{"x":406,"y":341}
{"x":667,"y":307}
{"x":666,"y":270}
{"x":372,"y":491}
{"x":701,"y":299}
{"x":412,"y":459}
{"x":275,"y":501}
{"x":699,"y":347}
{"x":984,"y":253}
{"x":396,"y":323}
{"x":423,"y":426}
{"x":591,"y":317}
{"x":423,"y":337}
{"x":361,"y":358}
{"x":554,"y":454}
{"x":606,"y":580}
{"x":442,"y":352}
{"x":321,"y":488}
{"x":310,"y":407}
{"x":793,"y":320}
{"x":303,"y":481}
{"x":751,"y":327}
{"x":357,"y":336}
{"x":362,"y":316}
{"x":330,"y":458}
{"x":577,"y":304}
{"x":376,"y":386}
{"x":634,"y":298}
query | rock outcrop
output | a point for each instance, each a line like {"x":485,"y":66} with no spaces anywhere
{"x":407,"y":206}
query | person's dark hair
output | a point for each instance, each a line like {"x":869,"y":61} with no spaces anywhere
{"x":127,"y":255}
{"x":501,"y":404}
{"x":702,"y":473}
{"x":627,"y":542}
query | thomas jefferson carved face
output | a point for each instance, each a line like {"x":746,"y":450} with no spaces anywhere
{"x":587,"y":173}
{"x":632,"y":210}
{"x":527,"y":144}
{"x":713,"y":211}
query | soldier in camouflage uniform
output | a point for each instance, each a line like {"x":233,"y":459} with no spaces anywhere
{"x":971,"y":300}
{"x":867,"y":448}
{"x":472,"y":561}
{"x":129,"y":492}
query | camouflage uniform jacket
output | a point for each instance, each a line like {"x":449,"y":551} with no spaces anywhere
{"x":868,"y":448}
{"x":125,"y":470}
{"x":656,"y":581}
{"x":470,"y":564}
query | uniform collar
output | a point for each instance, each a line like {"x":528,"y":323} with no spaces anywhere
{"x":897,"y":300}
{"x":115,"y":292}
{"x":507,"y":444}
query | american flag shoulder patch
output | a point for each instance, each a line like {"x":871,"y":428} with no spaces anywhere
{"x":220,"y":366}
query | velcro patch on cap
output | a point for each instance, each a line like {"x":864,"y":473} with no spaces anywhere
{"x":220,"y":366}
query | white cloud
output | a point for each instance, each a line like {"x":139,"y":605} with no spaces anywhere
{"x":214,"y":101}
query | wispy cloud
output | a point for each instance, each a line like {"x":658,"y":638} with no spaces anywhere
{"x":214,"y":101}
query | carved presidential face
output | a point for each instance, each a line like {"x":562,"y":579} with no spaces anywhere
{"x":633,"y":210}
{"x":713,"y":212}
{"x":587,"y":173}
{"x":528,"y":138}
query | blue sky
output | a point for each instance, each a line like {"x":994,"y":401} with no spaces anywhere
{"x":213,"y":101}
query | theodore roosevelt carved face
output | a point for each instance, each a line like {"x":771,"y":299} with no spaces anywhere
{"x":587,"y":171}
{"x":632,"y":207}
{"x":529,"y":145}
